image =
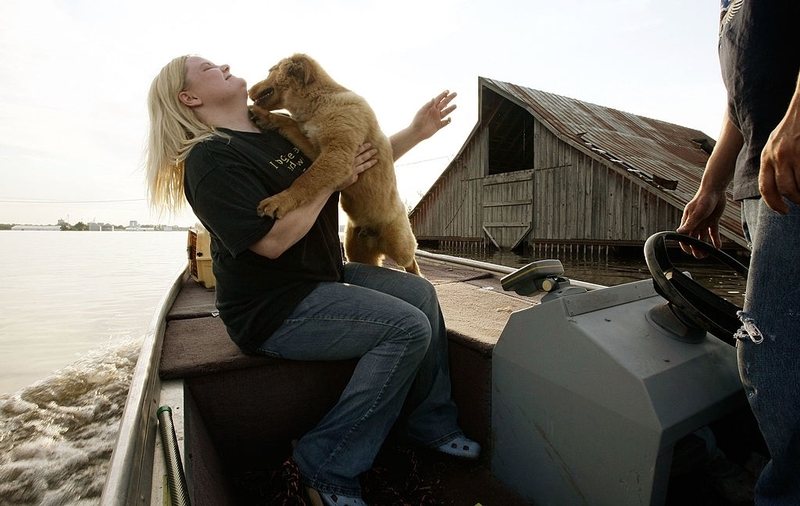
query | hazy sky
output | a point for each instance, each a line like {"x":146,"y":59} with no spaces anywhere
{"x":74,"y":76}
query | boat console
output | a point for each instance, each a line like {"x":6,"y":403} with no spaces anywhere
{"x":593,"y":390}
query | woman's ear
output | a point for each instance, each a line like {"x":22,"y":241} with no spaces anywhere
{"x":189,"y":99}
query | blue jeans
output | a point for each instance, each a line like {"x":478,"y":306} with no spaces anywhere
{"x":769,"y":345}
{"x":393,"y":322}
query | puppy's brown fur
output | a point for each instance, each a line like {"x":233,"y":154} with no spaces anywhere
{"x":329,"y":123}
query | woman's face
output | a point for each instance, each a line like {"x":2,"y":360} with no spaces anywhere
{"x":210,"y":83}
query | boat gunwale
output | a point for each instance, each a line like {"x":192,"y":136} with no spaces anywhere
{"x":495,"y":268}
{"x":127,"y":466}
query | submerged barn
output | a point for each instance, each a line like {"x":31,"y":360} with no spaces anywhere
{"x":545,"y":170}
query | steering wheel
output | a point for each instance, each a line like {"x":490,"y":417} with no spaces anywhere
{"x":695,"y":304}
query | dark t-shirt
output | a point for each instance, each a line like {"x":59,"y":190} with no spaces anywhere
{"x":225,"y":179}
{"x":760,"y":62}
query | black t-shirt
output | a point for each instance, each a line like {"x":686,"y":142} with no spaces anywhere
{"x":225,"y":179}
{"x":760,"y":62}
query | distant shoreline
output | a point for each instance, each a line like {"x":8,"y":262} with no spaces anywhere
{"x":58,"y":228}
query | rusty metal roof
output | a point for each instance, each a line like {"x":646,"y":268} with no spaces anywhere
{"x":670,"y":158}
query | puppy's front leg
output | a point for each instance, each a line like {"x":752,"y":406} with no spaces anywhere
{"x":278,"y":205}
{"x":328,"y":171}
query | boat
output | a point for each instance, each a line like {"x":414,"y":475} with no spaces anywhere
{"x":578,"y":393}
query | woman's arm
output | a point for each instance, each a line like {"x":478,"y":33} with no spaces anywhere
{"x":431,"y":118}
{"x":291,"y":228}
{"x":295,"y":224}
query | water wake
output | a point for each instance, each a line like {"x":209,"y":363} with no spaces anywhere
{"x":56,"y":436}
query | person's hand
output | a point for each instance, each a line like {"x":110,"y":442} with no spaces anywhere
{"x":365,"y":158}
{"x":434,"y":115}
{"x":702,"y":214}
{"x":701,"y":220}
{"x":779,"y":176}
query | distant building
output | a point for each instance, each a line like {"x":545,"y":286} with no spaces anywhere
{"x":36,"y":227}
{"x":135,"y":227}
{"x":98,"y":227}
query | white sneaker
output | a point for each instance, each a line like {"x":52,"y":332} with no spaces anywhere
{"x":461,"y":447}
{"x":326,"y":499}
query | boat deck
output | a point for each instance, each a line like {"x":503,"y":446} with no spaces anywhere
{"x":252,"y":407}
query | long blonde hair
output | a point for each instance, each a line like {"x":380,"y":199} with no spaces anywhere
{"x":174,"y":130}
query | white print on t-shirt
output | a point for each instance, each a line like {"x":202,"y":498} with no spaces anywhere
{"x":292,"y":160}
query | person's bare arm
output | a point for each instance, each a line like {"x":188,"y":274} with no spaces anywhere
{"x":702,"y":214}
{"x":779,"y":176}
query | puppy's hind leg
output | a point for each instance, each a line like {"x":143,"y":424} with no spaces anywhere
{"x":361,"y":245}
{"x":399,"y":244}
{"x":413,"y":268}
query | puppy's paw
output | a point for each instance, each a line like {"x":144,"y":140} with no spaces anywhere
{"x":276,"y":206}
{"x":262,"y":122}
{"x":269,"y":207}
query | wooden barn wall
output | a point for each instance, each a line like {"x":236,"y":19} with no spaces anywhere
{"x":450,"y":208}
{"x":568,"y":197}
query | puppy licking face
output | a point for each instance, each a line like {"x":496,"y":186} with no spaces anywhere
{"x":284,"y":79}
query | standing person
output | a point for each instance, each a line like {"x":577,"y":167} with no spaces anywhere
{"x":759,"y":150}
{"x":282,"y":287}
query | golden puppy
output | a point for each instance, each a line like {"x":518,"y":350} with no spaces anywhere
{"x":329,"y":123}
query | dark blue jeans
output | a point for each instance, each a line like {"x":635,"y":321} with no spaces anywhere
{"x":392,"y":321}
{"x":769,"y":346}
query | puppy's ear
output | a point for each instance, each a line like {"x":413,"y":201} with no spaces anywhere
{"x":303,"y":69}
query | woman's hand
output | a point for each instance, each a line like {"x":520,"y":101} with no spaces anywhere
{"x":365,"y":158}
{"x":434,"y":115}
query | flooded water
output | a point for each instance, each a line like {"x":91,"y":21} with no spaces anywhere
{"x":73,"y":312}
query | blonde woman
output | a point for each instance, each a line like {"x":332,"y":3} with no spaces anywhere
{"x":282,"y":287}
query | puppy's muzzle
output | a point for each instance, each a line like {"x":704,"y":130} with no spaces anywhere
{"x":262,"y":96}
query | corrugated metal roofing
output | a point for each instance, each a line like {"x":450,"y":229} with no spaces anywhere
{"x":669,"y":157}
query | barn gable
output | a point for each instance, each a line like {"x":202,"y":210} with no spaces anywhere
{"x":540,"y":168}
